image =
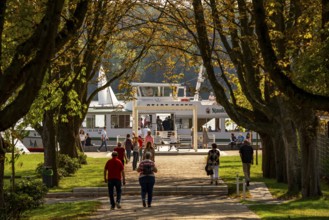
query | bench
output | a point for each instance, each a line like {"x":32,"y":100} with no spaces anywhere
{"x":157,"y":146}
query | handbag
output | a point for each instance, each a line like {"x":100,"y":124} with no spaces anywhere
{"x":208,"y":170}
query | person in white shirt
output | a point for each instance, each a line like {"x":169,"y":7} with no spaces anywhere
{"x":173,"y":141}
{"x":157,"y":140}
{"x":82,"y":137}
{"x":103,"y":139}
{"x":139,"y":132}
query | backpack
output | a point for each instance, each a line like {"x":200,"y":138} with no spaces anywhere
{"x":147,"y":169}
{"x":129,"y":144}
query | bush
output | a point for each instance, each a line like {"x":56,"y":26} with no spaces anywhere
{"x":28,"y":195}
{"x":68,"y":164}
{"x":82,"y":158}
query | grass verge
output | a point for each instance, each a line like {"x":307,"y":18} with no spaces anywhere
{"x":296,"y":208}
{"x":67,"y":210}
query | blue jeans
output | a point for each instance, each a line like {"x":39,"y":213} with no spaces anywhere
{"x":111,"y":184}
{"x":103,"y":143}
{"x":147,"y":184}
{"x":135,"y":159}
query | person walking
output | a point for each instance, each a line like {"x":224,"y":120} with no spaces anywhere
{"x":213,"y":163}
{"x":240,"y":139}
{"x":121,"y":153}
{"x":113,"y":174}
{"x":205,"y":138}
{"x":103,"y":140}
{"x":150,"y":149}
{"x":159,"y":123}
{"x":148,"y":138}
{"x":233,"y":141}
{"x":147,"y":169}
{"x":248,"y":137}
{"x":128,"y":144}
{"x":140,"y":147}
{"x":135,"y":152}
{"x":246,"y":154}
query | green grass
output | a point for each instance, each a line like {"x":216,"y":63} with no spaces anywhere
{"x":88,"y":175}
{"x":25,"y":165}
{"x":297,"y":208}
{"x":67,"y":210}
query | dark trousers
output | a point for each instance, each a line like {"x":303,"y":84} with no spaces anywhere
{"x":103,"y":144}
{"x":128,"y":153}
{"x":147,"y":184}
{"x":135,"y":159}
{"x":117,"y":184}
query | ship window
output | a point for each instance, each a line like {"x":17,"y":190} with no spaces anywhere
{"x":167,"y":91}
{"x":149,"y":91}
{"x":99,"y":121}
{"x":120,"y":121}
{"x":89,"y":122}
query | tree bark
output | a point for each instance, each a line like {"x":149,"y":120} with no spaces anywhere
{"x":67,"y":136}
{"x":268,"y":159}
{"x":2,"y":172}
{"x":49,"y":142}
{"x":290,"y":139}
{"x":310,"y":166}
{"x":280,"y":157}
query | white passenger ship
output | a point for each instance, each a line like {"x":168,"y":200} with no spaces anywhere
{"x":158,"y":100}
{"x":152,"y":101}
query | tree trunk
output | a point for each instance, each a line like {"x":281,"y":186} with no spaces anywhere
{"x":310,"y":166}
{"x":49,"y":142}
{"x":67,"y":134}
{"x":268,"y":160}
{"x":289,"y":136}
{"x":280,"y":157}
{"x":2,"y":173}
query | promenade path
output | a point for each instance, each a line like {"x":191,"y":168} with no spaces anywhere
{"x":174,"y":170}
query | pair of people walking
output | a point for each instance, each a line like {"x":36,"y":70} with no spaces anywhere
{"x":114,"y":173}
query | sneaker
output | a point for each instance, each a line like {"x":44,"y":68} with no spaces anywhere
{"x":216,"y":182}
{"x":144,"y":204}
{"x":112,"y":207}
{"x":149,"y":206}
{"x":98,"y":150}
{"x":118,"y":205}
{"x":210,"y":182}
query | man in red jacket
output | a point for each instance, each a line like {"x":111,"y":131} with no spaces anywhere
{"x":112,"y":176}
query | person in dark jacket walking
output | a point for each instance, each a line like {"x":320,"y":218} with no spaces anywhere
{"x":246,"y":154}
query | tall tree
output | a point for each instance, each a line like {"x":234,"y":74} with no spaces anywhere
{"x":281,"y":69}
{"x":23,"y":64}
